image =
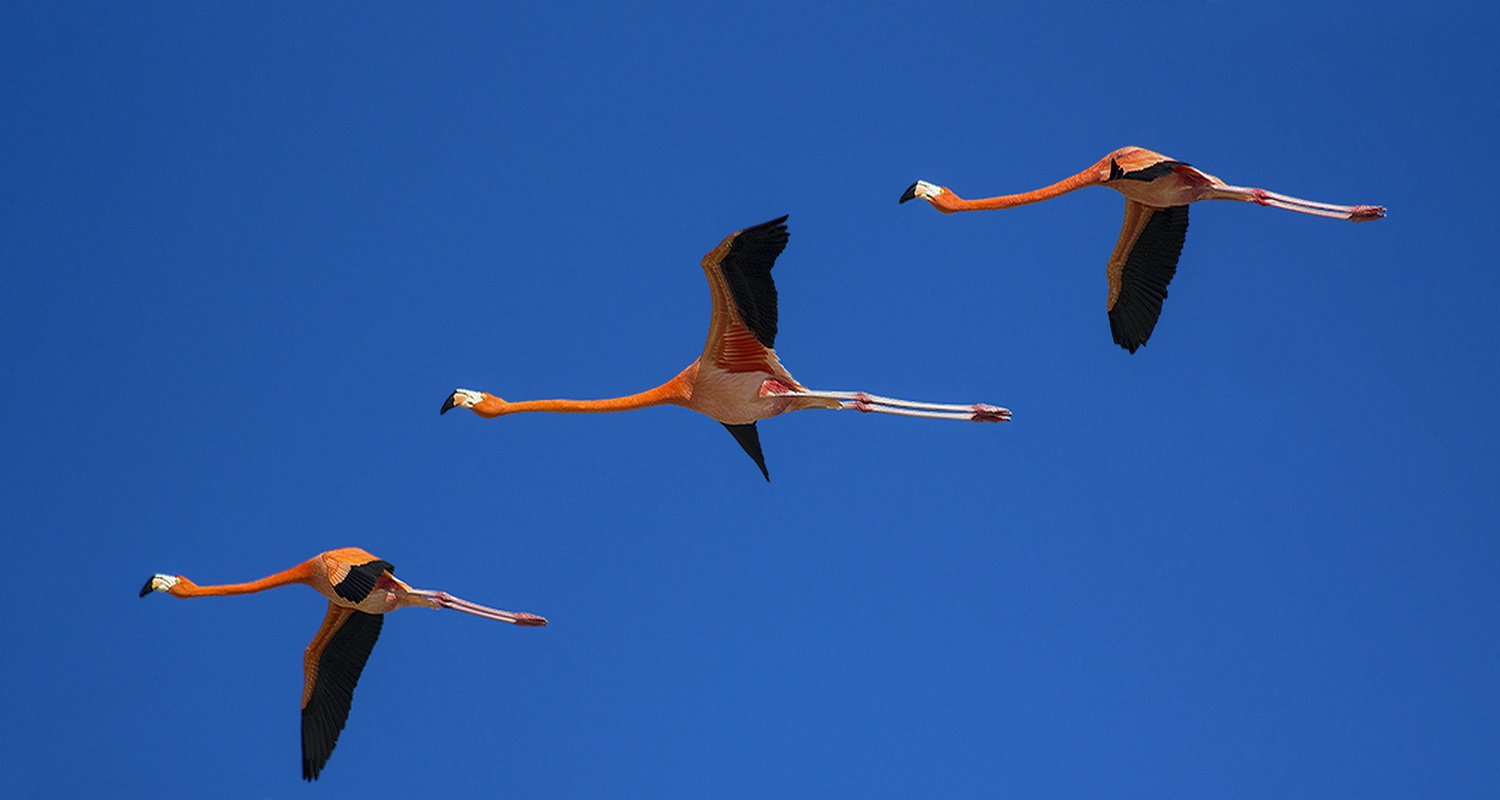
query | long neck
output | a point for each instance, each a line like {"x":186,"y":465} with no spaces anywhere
{"x":1088,"y":177}
{"x":673,"y":392}
{"x":302,"y":573}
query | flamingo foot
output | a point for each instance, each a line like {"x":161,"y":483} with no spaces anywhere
{"x":1367,"y":213}
{"x":984,"y":413}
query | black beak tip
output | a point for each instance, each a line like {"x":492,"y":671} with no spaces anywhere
{"x":448,"y":404}
{"x":910,"y":193}
{"x":145,"y":590}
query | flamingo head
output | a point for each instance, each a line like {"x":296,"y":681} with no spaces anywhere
{"x":482,"y":403}
{"x":922,"y":190}
{"x":161,"y":583}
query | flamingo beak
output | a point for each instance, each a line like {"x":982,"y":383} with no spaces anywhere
{"x":910,"y":193}
{"x":145,"y":590}
{"x":448,"y":404}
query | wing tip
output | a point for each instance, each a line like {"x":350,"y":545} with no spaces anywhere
{"x":749,"y":439}
{"x":774,"y":227}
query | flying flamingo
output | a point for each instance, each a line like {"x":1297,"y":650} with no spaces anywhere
{"x":360,"y":588}
{"x":738,"y":379}
{"x":1157,"y":191}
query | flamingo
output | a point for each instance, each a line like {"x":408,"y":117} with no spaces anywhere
{"x":360,"y":588}
{"x":738,"y":380}
{"x":1157,"y":191}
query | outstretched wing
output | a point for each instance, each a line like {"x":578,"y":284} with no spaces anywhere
{"x":357,"y":580}
{"x":743,"y":328}
{"x":1143,"y":263}
{"x":1159,"y":166}
{"x":749,"y":438}
{"x":332,"y":665}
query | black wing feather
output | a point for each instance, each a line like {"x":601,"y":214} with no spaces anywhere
{"x":749,"y":438}
{"x":360,"y":581}
{"x":747,"y":270}
{"x":1148,"y":174}
{"x":1143,"y":280}
{"x":339,"y":666}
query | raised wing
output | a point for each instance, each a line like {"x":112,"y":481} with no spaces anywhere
{"x":332,"y":665}
{"x":743,"y":328}
{"x":1145,"y":174}
{"x":1143,"y":263}
{"x":354,"y":582}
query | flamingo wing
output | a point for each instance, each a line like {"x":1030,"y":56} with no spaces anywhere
{"x":749,"y":438}
{"x":333,"y":663}
{"x":358,"y":580}
{"x":743,"y":328}
{"x":1143,"y":263}
{"x":1158,"y":167}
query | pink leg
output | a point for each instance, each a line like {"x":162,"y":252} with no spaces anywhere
{"x":445,"y":600}
{"x":974,"y":413}
{"x":875,"y":404}
{"x":1274,"y":200}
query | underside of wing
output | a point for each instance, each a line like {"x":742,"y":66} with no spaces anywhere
{"x":1143,"y":263}
{"x":744,"y":296}
{"x":332,"y":666}
{"x":749,"y":438}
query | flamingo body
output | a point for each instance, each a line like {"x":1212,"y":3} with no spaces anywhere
{"x":1157,"y":193}
{"x":738,"y":380}
{"x":360,"y":589}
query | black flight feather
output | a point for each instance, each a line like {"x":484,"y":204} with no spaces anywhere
{"x":747,"y":270}
{"x":360,"y":581}
{"x":339,"y":666}
{"x":1148,"y":269}
{"x":1148,"y":174}
{"x":749,"y":438}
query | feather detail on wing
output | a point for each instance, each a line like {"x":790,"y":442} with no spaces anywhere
{"x":742,"y":330}
{"x":1143,"y":263}
{"x":332,"y":666}
{"x":358,"y":580}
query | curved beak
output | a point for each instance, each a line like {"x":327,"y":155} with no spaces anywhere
{"x":145,"y":590}
{"x":910,"y":193}
{"x":448,"y":404}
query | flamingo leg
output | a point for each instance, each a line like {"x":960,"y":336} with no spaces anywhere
{"x":974,"y":413}
{"x":869,"y":403}
{"x":445,"y":600}
{"x":1274,"y":200}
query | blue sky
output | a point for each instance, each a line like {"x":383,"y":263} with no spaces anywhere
{"x":249,"y":249}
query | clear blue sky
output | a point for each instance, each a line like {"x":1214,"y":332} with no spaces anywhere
{"x":249,"y":248}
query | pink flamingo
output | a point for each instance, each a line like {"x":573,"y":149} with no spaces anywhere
{"x":1157,"y":192}
{"x":738,"y":379}
{"x":360,"y":590}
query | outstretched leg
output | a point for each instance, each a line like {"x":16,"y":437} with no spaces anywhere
{"x":869,"y":403}
{"x":445,"y":600}
{"x":1274,"y":200}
